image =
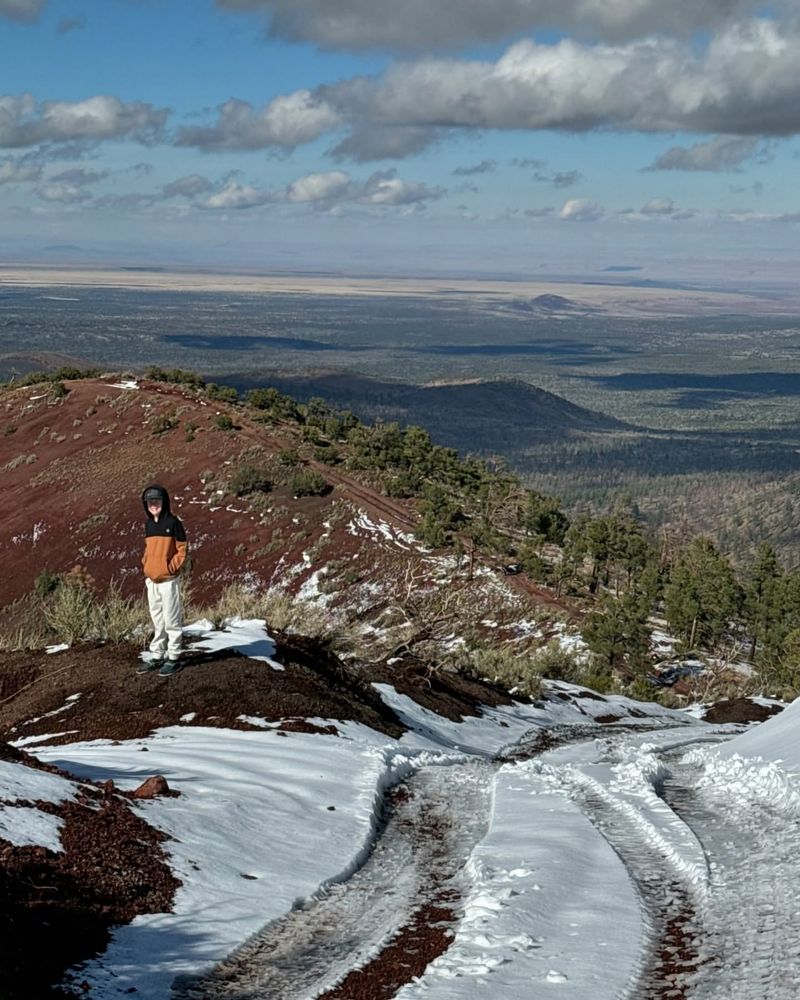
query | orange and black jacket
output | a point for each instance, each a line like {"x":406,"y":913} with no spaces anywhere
{"x":164,"y":541}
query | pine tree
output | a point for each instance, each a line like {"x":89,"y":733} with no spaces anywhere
{"x":701,"y":596}
{"x":763,"y":601}
{"x":616,"y":631}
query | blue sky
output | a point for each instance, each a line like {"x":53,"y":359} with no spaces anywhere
{"x":522,"y":136}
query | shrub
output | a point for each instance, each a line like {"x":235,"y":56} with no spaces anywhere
{"x":45,"y":583}
{"x":597,"y":676}
{"x":309,"y":483}
{"x":176,"y":375}
{"x":224,"y":393}
{"x":223,"y":422}
{"x":70,"y":612}
{"x":327,"y":453}
{"x":236,"y":601}
{"x":162,"y":423}
{"x":249,"y":479}
{"x":118,"y":619}
{"x":558,"y":663}
{"x":502,"y":665}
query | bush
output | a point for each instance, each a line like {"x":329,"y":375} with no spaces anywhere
{"x":508,"y":667}
{"x":163,"y":423}
{"x":177,"y":376}
{"x":558,"y":663}
{"x":119,"y":619}
{"x":223,"y":393}
{"x":45,"y":583}
{"x":70,"y":612}
{"x":249,"y":479}
{"x":223,"y":422}
{"x":309,"y":483}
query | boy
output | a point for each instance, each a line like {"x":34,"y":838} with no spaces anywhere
{"x":164,"y":554}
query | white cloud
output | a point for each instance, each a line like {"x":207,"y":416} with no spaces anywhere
{"x":24,"y":122}
{"x":329,"y":192}
{"x":15,"y":170}
{"x":69,"y":186}
{"x":744,"y":84}
{"x":658,"y":206}
{"x":386,"y":188}
{"x":419,"y":25}
{"x":235,"y":195}
{"x":63,"y":191}
{"x":318,"y":187}
{"x":721,"y":153}
{"x":581,"y":210}
{"x":286,"y":121}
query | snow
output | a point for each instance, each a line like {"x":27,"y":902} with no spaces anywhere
{"x":243,"y":635}
{"x":560,"y":893}
{"x":23,"y":824}
{"x":252,"y":836}
{"x":503,"y":946}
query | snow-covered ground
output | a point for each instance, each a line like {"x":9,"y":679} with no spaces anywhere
{"x":588,"y":850}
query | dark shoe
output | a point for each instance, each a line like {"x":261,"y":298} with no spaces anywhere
{"x":169,"y":667}
{"x":147,"y":666}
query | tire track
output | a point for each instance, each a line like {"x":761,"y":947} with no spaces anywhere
{"x":409,"y":882}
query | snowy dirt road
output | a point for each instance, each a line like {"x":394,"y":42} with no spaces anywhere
{"x":430,"y":825}
{"x":717,"y":913}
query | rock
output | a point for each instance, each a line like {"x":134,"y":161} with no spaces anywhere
{"x":149,"y":789}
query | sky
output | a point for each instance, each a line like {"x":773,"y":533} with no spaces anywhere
{"x":462,"y":136}
{"x":575,"y":859}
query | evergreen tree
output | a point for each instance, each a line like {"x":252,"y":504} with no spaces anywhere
{"x":616,"y":632}
{"x":763,"y":601}
{"x":701,"y":596}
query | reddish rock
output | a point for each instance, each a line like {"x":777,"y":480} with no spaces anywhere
{"x":149,"y":789}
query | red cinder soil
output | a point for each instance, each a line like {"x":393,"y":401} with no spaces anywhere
{"x":73,"y":470}
{"x":117,"y":703}
{"x":57,"y":909}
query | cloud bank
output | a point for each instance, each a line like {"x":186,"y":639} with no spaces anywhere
{"x":745,"y":84}
{"x":423,"y":25}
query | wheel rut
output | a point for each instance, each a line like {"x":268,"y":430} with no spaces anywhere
{"x":707,"y":936}
{"x":328,"y":947}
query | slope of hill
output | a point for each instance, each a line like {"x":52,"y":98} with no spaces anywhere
{"x":470,"y":414}
{"x":76,"y":457}
{"x":739,"y":487}
{"x":74,"y":468}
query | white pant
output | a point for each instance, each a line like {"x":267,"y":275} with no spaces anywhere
{"x":164,"y":600}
